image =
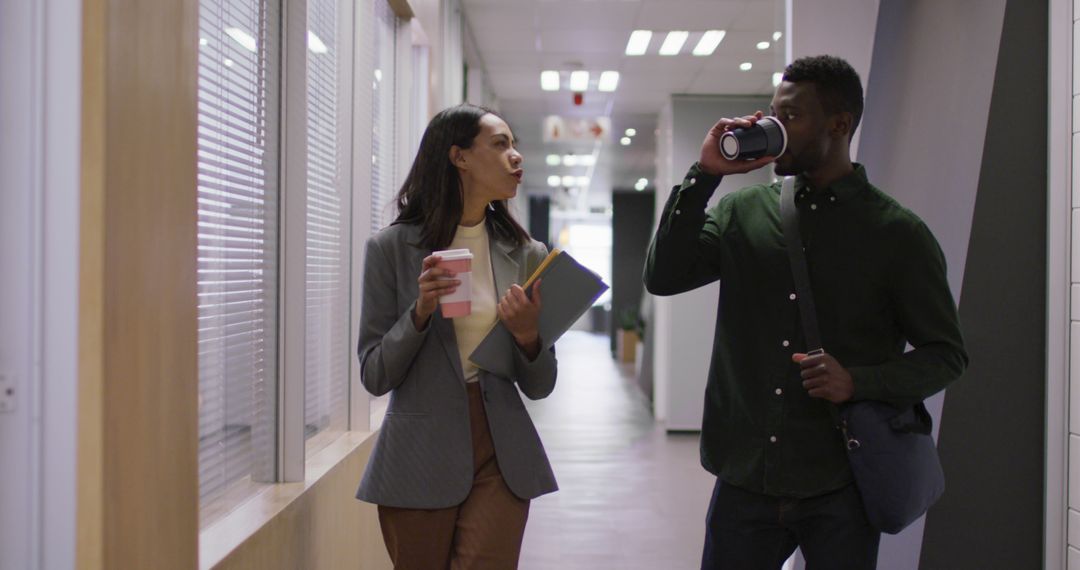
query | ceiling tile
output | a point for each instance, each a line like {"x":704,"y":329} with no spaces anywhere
{"x":506,"y":39}
{"x":767,"y":16}
{"x":584,"y":41}
{"x":688,"y":15}
{"x":577,"y":15}
{"x":484,"y":19}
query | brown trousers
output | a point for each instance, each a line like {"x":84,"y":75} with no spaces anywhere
{"x":484,"y":532}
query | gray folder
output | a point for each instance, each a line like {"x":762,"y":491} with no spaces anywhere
{"x":567,"y":290}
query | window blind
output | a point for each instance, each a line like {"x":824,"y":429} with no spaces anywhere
{"x":380,"y":54}
{"x":237,"y":243}
{"x":384,"y":113}
{"x":327,"y":349}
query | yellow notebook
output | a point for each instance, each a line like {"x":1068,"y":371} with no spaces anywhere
{"x":542,"y":267}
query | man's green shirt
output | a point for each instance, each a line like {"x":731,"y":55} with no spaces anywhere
{"x":879,"y":283}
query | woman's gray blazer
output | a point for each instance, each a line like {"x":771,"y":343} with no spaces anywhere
{"x":423,"y":456}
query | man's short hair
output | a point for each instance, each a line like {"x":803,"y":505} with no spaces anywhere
{"x":837,"y":84}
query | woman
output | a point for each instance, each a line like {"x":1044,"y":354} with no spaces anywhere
{"x":457,"y":459}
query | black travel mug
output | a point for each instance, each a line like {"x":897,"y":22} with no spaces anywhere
{"x":766,"y":137}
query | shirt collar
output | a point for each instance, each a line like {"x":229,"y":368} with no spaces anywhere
{"x":843,"y":189}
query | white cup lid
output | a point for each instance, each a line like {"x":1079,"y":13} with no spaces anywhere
{"x":730,"y":145}
{"x":453,"y":254}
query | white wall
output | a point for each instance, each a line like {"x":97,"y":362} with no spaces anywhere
{"x":684,"y":323}
{"x":1059,"y":321}
{"x":19,"y":127}
{"x":844,"y":28}
{"x":60,"y":278}
{"x":1063,"y":450}
{"x":39,"y":212}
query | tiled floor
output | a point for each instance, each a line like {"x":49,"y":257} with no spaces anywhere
{"x":631,"y":497}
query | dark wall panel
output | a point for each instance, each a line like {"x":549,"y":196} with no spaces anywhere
{"x":993,"y":422}
{"x":631,"y":230}
{"x":540,"y":219}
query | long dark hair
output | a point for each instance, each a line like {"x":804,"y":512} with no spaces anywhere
{"x":432,"y":193}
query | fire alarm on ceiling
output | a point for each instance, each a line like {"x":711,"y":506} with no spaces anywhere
{"x":579,"y":98}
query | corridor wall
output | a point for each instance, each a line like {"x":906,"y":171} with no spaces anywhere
{"x":954,"y":129}
{"x":683,"y":339}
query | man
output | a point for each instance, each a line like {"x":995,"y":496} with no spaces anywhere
{"x":879,"y":281}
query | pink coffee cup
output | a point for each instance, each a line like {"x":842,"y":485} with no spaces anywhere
{"x":458,"y":303}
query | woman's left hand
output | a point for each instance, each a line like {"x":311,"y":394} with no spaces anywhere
{"x":521,"y":316}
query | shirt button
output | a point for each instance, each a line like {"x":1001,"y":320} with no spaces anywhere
{"x":791,"y":296}
{"x":677,"y":212}
{"x":813,"y":206}
{"x":832,"y":198}
{"x":786,"y":344}
{"x":779,"y":391}
{"x":693,"y":181}
{"x":772,"y":439}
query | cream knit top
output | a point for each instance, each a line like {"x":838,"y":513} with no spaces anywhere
{"x":471,"y":330}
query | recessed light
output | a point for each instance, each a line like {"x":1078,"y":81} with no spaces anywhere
{"x":583,"y":180}
{"x":673,"y":43}
{"x":639,"y":42}
{"x":746,"y":66}
{"x":203,"y":41}
{"x":568,"y":180}
{"x":579,"y":81}
{"x":777,"y":78}
{"x":554,"y":180}
{"x":549,"y":80}
{"x":609,"y":81}
{"x":708,"y":42}
{"x":625,"y":141}
{"x":776,"y":36}
{"x":570,"y":160}
{"x":763,"y":45}
{"x":586,"y":160}
{"x":631,"y":132}
{"x":554,"y":160}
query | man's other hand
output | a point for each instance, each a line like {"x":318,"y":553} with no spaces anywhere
{"x":824,"y":377}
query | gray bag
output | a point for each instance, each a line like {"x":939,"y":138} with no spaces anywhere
{"x":890,"y":449}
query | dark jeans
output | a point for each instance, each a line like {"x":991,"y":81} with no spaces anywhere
{"x":749,"y":531}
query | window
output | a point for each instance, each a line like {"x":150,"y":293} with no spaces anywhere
{"x":237,"y":248}
{"x":383,"y":141}
{"x":590,"y":245}
{"x":276,"y":355}
{"x":384,"y":113}
{"x":327,"y":345}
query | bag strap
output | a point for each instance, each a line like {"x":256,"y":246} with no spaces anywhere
{"x":789,"y":219}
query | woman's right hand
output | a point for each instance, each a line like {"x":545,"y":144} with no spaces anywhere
{"x":713,"y":162}
{"x":434,"y":282}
